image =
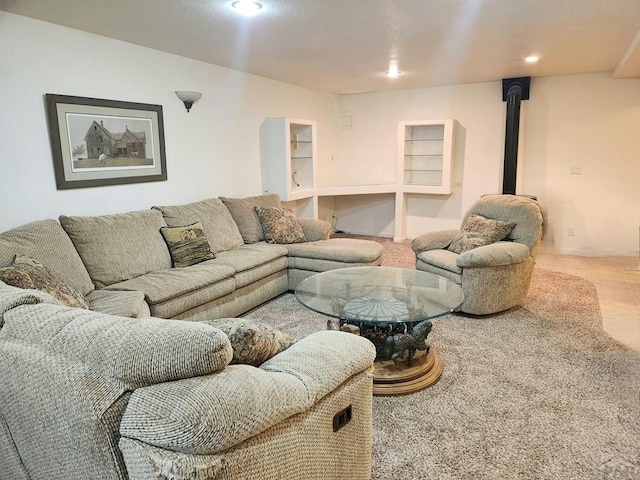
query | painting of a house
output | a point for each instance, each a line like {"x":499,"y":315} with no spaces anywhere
{"x":100,"y":140}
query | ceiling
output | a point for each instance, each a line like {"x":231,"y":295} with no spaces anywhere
{"x":346,"y":46}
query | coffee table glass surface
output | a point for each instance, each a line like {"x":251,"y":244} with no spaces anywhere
{"x":383,"y":295}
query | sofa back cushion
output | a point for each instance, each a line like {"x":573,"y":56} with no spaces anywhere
{"x":47,"y":242}
{"x":523,"y":211}
{"x":219,"y":227}
{"x":243,"y":212}
{"x":118,"y":247}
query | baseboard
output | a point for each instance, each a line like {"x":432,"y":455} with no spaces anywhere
{"x":348,"y":231}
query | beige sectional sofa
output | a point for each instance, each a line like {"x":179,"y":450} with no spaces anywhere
{"x":122,"y":265}
{"x":126,"y":389}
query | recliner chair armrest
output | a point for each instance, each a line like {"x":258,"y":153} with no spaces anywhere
{"x":315,"y":229}
{"x":433,"y":240}
{"x":494,"y":255}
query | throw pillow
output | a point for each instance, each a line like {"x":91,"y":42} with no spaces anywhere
{"x":280,"y":225}
{"x":479,"y":231}
{"x":188,"y":245}
{"x":253,"y":343}
{"x":25,"y":272}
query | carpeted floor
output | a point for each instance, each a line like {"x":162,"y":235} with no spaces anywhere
{"x":538,"y":392}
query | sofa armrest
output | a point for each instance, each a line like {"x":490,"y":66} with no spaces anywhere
{"x":494,"y":255}
{"x":119,"y":302}
{"x":315,"y":229}
{"x":323,"y":360}
{"x":208,"y":414}
{"x":433,"y":240}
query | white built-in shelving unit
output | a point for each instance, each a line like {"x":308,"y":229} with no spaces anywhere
{"x":424,"y":165}
{"x":288,"y":153}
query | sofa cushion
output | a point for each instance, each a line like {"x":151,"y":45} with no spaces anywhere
{"x":173,"y":291}
{"x":444,"y":259}
{"x":120,"y":246}
{"x":253,"y":343}
{"x":280,"y":225}
{"x":120,"y":303}
{"x":188,"y":245}
{"x":47,"y":242}
{"x":27,"y":273}
{"x":522,"y":210}
{"x":136,"y":352}
{"x":350,"y":251}
{"x":244,"y":214}
{"x":253,"y":262}
{"x":219,"y":226}
{"x":479,"y":231}
{"x":315,"y":229}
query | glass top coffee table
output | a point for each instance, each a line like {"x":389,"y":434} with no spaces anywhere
{"x":393,"y":308}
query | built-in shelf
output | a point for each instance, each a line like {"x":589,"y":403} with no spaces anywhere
{"x":288,"y":160}
{"x":425,"y":153}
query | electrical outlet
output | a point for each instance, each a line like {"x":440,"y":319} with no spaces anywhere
{"x":576,"y":169}
{"x":571,"y":231}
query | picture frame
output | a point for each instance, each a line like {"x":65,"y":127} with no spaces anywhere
{"x":97,"y":142}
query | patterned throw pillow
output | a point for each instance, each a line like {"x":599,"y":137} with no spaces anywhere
{"x":25,"y":272}
{"x":479,"y":231}
{"x":253,"y":343}
{"x":280,"y":225}
{"x":188,"y":245}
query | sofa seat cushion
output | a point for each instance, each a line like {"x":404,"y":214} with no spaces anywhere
{"x":211,"y":413}
{"x":172,"y":291}
{"x":253,"y":262}
{"x":121,"y":303}
{"x":334,"y":253}
{"x":47,"y":242}
{"x":244,"y":214}
{"x":120,"y":246}
{"x":441,"y":258}
{"x":219,"y":227}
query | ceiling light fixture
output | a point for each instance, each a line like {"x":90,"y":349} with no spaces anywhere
{"x":246,"y":7}
{"x":531,"y":59}
{"x":393,"y":71}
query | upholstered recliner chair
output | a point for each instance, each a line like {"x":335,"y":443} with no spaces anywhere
{"x":491,"y":257}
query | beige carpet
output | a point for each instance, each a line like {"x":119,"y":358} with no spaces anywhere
{"x":538,"y":392}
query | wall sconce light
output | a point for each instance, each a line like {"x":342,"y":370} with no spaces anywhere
{"x":188,"y":98}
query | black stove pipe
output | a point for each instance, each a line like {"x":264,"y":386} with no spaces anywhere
{"x":514,"y":90}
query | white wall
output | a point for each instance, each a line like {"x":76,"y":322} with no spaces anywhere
{"x":591,"y":121}
{"x":587,"y":120}
{"x":211,"y":151}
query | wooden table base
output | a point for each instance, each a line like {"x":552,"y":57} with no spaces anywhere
{"x":389,"y":380}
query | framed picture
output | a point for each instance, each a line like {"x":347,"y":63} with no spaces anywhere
{"x":97,"y":142}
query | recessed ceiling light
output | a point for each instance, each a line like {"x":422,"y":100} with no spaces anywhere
{"x":393,"y":71}
{"x":246,"y":7}
{"x":531,"y":59}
